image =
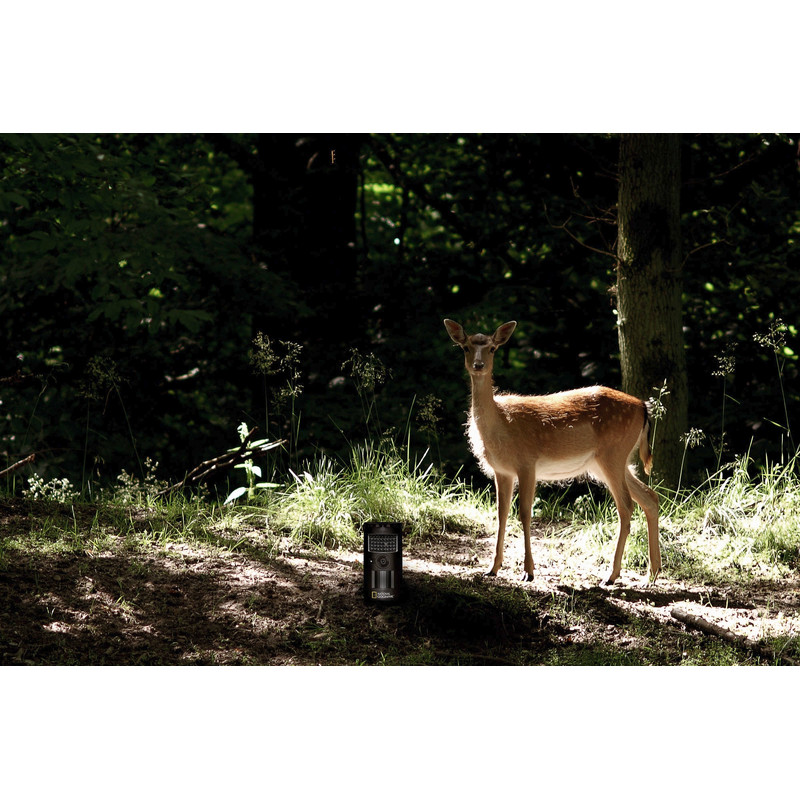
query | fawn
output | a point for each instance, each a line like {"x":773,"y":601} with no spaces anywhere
{"x":520,"y":439}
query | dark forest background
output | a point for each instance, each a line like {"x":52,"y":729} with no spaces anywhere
{"x":158,"y":290}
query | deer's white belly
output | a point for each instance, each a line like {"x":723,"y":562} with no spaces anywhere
{"x":547,"y":470}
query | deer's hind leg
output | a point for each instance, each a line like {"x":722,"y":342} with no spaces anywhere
{"x":527,"y":490}
{"x":617,"y":484}
{"x":648,"y":500}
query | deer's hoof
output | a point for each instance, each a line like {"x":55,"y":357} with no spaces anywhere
{"x":527,"y":576}
{"x":649,"y":581}
{"x":492,"y":573}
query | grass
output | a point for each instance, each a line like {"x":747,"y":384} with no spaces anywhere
{"x":738,"y":525}
{"x":741,"y":527}
{"x":741,"y":524}
{"x":328,"y":503}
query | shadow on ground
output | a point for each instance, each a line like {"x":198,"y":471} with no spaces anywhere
{"x":121,"y":609}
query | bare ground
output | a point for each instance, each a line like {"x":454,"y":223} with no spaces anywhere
{"x":251,"y":602}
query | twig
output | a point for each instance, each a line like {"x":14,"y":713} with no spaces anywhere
{"x":690,"y":620}
{"x":702,"y":247}
{"x":563,"y":227}
{"x":224,"y":461}
{"x":27,"y":460}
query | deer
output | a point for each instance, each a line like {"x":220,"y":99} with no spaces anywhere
{"x":520,"y":440}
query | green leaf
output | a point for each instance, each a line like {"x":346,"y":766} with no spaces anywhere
{"x":235,"y":494}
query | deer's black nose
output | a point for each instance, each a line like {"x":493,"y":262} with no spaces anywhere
{"x":478,"y":365}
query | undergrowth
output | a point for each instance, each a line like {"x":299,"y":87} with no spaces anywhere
{"x":742,"y":523}
{"x":739,"y":527}
{"x":327,"y":503}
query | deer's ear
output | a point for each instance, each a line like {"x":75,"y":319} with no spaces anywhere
{"x":456,"y":331}
{"x":503,"y":333}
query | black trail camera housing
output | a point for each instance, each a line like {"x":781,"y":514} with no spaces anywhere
{"x":383,"y":562}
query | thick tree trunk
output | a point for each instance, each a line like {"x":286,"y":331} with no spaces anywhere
{"x":649,"y":288}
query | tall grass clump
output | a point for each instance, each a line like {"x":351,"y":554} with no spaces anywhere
{"x":726,"y":365}
{"x":741,"y":523}
{"x":327,"y":503}
{"x":100,"y":380}
{"x":368,"y":373}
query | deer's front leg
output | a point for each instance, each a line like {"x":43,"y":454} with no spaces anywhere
{"x":504,"y":487}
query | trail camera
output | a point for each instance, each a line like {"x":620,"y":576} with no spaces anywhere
{"x":383,"y":561}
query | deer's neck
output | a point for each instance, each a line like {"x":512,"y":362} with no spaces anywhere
{"x":484,"y":409}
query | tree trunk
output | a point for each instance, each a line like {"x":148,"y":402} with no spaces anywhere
{"x":649,"y":289}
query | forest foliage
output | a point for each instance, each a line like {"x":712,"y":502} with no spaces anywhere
{"x":157,"y":291}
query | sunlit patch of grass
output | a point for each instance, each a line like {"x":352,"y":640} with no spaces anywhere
{"x":328,"y":503}
{"x":736,"y":526}
{"x":739,"y":525}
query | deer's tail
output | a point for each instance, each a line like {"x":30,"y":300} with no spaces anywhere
{"x":645,"y":453}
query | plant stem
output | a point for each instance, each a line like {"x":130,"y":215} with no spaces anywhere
{"x":85,"y":450}
{"x":722,"y":425}
{"x":783,"y":396}
{"x":130,"y":431}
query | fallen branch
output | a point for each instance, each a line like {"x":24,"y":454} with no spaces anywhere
{"x":225,"y":461}
{"x":27,"y":460}
{"x":690,"y":620}
{"x":18,"y":378}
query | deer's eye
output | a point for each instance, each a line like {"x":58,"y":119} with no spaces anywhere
{"x":492,"y":349}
